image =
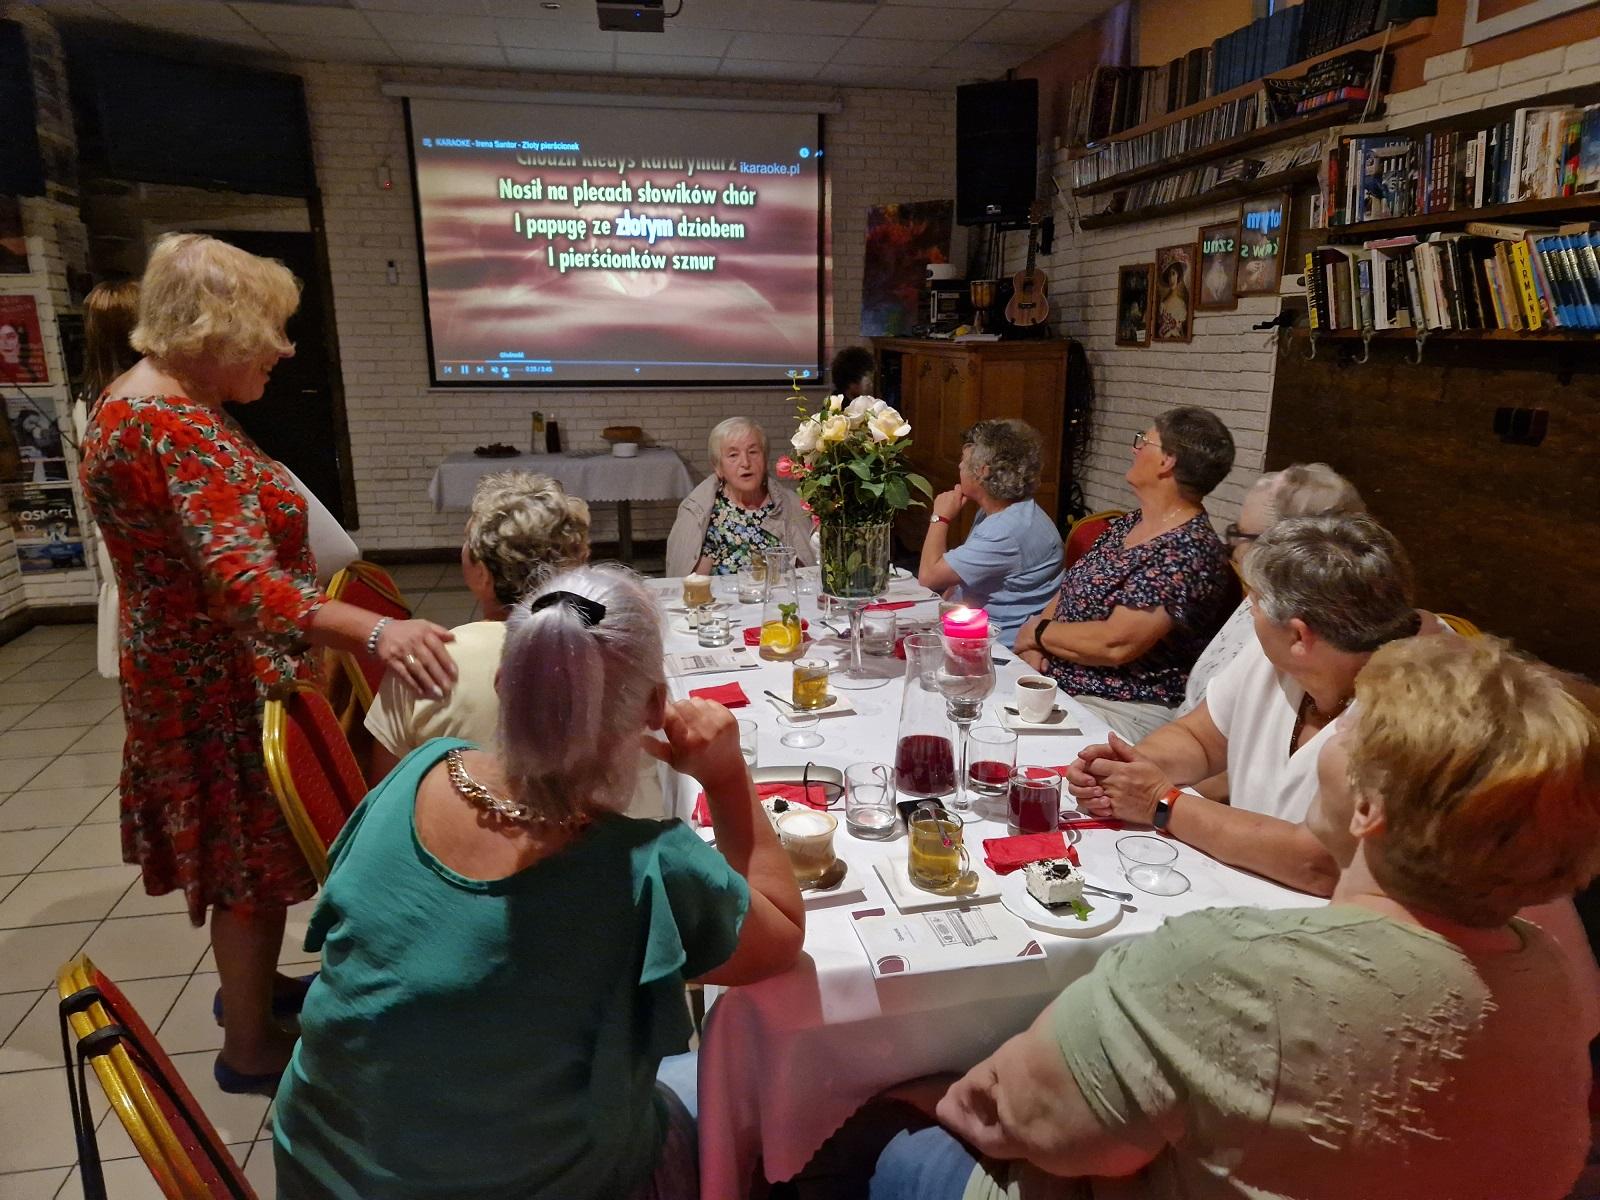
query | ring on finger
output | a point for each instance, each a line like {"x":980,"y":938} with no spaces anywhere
{"x":411,"y":660}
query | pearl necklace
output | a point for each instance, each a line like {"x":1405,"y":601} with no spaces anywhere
{"x":512,"y":810}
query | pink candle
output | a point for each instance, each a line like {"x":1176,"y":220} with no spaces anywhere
{"x":966,"y":623}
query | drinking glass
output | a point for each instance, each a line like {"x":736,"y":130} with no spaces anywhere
{"x":715,"y":630}
{"x":992,"y":755}
{"x":753,"y":583}
{"x":808,"y":582}
{"x":725,"y":588}
{"x":1035,"y":801}
{"x":935,"y":860}
{"x":1147,"y":864}
{"x":878,"y":633}
{"x":747,"y":743}
{"x":802,"y":727}
{"x":869,"y":798}
{"x":810,"y":687}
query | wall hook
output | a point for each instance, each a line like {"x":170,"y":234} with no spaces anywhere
{"x":1416,"y":359}
{"x":1366,"y":347}
{"x":1312,"y":338}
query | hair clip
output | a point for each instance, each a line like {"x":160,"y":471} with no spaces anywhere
{"x":590,"y":612}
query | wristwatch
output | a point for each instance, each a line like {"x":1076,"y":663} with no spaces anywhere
{"x":1038,"y":634}
{"x":1164,"y":807}
{"x":936,"y":519}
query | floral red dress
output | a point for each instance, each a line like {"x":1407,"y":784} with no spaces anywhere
{"x":207,"y":538}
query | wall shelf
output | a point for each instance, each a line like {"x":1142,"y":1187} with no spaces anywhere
{"x":1518,"y":213}
{"x":1234,"y":190}
{"x":1547,"y":336}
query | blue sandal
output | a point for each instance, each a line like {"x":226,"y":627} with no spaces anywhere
{"x":288,"y":1004}
{"x":237,"y":1083}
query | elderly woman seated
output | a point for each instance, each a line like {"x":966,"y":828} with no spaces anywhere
{"x":739,"y":511}
{"x":1328,"y":592}
{"x":1412,"y":1039}
{"x":505,"y":953}
{"x":1010,"y":563}
{"x":1134,"y":613}
{"x":522,"y":529}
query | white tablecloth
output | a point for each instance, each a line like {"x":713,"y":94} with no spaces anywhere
{"x":601,"y":478}
{"x":785,"y":1062}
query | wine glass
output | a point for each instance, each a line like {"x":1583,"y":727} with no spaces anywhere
{"x":965,"y":679}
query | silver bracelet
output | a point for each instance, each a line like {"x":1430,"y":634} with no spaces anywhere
{"x":377,"y":632}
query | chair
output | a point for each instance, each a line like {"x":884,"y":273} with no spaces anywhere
{"x":178,"y":1143}
{"x":1461,"y":625}
{"x":353,"y":679}
{"x":312,"y":770}
{"x":1084,"y":532}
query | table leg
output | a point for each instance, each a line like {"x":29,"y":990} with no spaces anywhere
{"x":625,"y":531}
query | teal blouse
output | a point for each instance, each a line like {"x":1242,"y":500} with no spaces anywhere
{"x":490,"y":1040}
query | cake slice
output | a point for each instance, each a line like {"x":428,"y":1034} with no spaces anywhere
{"x":1054,"y":882}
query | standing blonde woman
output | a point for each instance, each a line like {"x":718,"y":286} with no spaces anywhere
{"x":208,"y":541}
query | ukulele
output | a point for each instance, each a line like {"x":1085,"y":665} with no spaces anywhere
{"x":1028,"y":304}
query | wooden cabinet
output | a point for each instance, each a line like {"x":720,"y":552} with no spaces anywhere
{"x":943,"y":388}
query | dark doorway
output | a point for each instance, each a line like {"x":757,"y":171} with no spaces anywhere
{"x":299,"y":421}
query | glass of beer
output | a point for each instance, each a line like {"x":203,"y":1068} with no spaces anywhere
{"x":937,"y":859}
{"x":811,"y":684}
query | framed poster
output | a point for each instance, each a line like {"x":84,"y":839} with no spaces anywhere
{"x":1217,"y":253}
{"x":1263,"y":223}
{"x":21,"y":346}
{"x":1174,"y":305}
{"x":1134,"y":289}
{"x":37,"y":437}
{"x":902,"y":240}
{"x":49,"y":535}
{"x":1490,"y":18}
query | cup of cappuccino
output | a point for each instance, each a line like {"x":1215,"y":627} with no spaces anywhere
{"x":1036,"y":697}
{"x":807,"y":838}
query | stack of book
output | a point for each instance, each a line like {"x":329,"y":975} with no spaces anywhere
{"x":1328,"y":24}
{"x":1492,"y":276}
{"x":1538,"y":153}
{"x":1266,"y":45}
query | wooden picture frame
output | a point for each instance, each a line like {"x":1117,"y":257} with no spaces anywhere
{"x":1135,"y":287}
{"x":1172,"y":311}
{"x":1487,"y":19}
{"x":1263,"y":238}
{"x":1216,"y":256}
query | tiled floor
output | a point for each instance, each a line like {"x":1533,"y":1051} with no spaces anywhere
{"x":64,"y":890}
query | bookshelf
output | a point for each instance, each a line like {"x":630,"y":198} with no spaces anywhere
{"x":1235,"y":190}
{"x":1522,"y":212}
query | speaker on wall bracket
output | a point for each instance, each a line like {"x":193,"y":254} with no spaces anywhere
{"x":997,"y":134}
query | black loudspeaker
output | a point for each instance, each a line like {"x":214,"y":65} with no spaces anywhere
{"x":997,"y":134}
{"x":21,"y":168}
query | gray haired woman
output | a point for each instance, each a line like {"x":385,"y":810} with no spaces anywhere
{"x":738,"y":512}
{"x":1010,"y":563}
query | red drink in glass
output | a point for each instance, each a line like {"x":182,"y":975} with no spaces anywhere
{"x":989,"y":778}
{"x":1035,"y":801}
{"x":925,"y":765}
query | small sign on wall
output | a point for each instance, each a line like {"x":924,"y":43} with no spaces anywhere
{"x":1263,"y":224}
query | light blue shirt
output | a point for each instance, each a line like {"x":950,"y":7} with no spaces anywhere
{"x":1010,"y":565}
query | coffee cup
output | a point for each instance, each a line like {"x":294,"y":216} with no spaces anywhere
{"x":807,"y":838}
{"x":696,"y":590}
{"x":1036,"y":698}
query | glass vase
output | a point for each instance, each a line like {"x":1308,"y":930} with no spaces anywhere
{"x":855,"y":558}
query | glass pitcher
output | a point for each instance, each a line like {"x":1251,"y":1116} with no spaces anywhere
{"x":925,"y":760}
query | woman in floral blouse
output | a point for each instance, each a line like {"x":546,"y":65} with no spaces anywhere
{"x":1134,"y":613}
{"x":207,"y":538}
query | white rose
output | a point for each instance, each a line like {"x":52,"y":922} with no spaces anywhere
{"x":858,"y":410}
{"x":804,"y":440}
{"x":835,"y":429}
{"x":888,"y":425}
{"x":877,"y":405}
{"x":835,"y":403}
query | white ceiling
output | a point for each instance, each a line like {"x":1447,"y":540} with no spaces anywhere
{"x":928,"y":43}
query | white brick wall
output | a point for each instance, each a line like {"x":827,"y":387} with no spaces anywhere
{"x":885,"y":146}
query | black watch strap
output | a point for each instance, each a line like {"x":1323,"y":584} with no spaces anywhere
{"x":1164,"y":808}
{"x":1038,"y":634}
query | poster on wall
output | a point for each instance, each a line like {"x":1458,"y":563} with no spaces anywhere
{"x":21,"y":345}
{"x":1218,"y":257}
{"x":1487,"y":19}
{"x":13,"y":245}
{"x":1174,"y":320}
{"x":44,"y":521}
{"x":1133,"y":304}
{"x":902,"y":240}
{"x":1263,"y":222}
{"x":41,"y":458}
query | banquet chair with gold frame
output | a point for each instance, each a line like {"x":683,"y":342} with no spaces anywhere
{"x":1084,"y":532}
{"x":177,"y":1141}
{"x":353,"y":679}
{"x":312,"y":770}
{"x":1460,"y":624}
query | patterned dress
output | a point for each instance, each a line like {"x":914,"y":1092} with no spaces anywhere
{"x":734,"y":535}
{"x":1184,"y":571}
{"x":207,"y":538}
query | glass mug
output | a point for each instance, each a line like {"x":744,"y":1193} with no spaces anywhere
{"x":807,"y":838}
{"x":937,"y":859}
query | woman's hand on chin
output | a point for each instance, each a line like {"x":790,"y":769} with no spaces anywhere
{"x":702,"y":741}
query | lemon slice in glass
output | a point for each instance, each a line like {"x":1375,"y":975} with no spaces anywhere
{"x":779,"y":638}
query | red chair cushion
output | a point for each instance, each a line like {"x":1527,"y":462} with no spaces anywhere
{"x":322,"y":766}
{"x":1082,"y":539}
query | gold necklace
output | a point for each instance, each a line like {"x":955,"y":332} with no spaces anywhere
{"x":481,"y":795}
{"x":1307,"y":704}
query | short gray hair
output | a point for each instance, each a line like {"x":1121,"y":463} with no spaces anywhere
{"x":574,"y":698}
{"x":1347,"y":578}
{"x":1201,"y":445}
{"x":1307,"y":490}
{"x":735,"y":427}
{"x":523,"y":527}
{"x":1011,"y":449}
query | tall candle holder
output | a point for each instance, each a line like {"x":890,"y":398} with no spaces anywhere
{"x":966,"y":679}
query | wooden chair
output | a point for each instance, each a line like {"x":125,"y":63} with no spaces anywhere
{"x":1461,"y":625}
{"x":312,"y":770}
{"x":1084,"y":532}
{"x":100,"y":1028}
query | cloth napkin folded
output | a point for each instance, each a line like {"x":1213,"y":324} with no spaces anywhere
{"x":752,"y":635}
{"x":891,"y":605}
{"x":729,"y":695}
{"x":1007,"y":854}
{"x":792,"y":792}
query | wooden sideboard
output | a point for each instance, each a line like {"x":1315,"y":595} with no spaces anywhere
{"x":944,"y":387}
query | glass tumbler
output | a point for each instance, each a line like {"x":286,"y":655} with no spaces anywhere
{"x":869,"y":798}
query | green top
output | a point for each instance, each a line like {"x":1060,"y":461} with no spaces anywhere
{"x":1324,"y":1054}
{"x":489,"y":1040}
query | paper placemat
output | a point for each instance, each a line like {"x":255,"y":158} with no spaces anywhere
{"x":710,"y":662}
{"x":953,"y":939}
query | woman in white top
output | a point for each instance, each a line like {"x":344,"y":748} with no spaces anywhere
{"x":1328,"y":592}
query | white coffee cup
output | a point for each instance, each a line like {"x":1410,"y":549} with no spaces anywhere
{"x":624,"y":449}
{"x":1036,"y":698}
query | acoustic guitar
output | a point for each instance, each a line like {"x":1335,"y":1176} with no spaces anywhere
{"x":1028,"y":304}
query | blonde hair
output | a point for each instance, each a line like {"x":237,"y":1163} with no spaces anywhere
{"x":109,"y":313}
{"x":1487,"y":764}
{"x":523,"y":527}
{"x":202,"y":298}
{"x":1307,"y":490}
{"x":734,"y":427}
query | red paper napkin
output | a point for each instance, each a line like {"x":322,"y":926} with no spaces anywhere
{"x":1007,"y":854}
{"x":752,"y":636}
{"x":792,"y":792}
{"x":891,"y":605}
{"x":729,"y":695}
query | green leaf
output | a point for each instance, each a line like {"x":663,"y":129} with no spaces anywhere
{"x":863,"y":470}
{"x":894,"y":491}
{"x":921,"y":484}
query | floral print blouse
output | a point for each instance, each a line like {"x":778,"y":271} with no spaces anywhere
{"x":734,"y":535}
{"x":1184,"y":571}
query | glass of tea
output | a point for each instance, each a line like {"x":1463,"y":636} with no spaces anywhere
{"x":810,"y":688}
{"x":936,"y":860}
{"x":991,"y":757}
{"x":1035,"y":800}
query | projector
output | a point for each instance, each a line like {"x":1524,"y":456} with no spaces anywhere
{"x":641,"y":16}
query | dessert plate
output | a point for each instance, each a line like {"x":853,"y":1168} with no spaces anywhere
{"x":1103,"y":913}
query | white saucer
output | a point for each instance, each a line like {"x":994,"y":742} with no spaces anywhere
{"x":1057,"y":722}
{"x":1103,"y":911}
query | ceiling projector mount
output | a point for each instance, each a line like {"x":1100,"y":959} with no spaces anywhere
{"x":635,"y":16}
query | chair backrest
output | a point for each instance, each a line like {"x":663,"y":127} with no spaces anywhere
{"x":1460,"y":624}
{"x":367,"y":586}
{"x":313,"y":771}
{"x":177,"y":1141}
{"x":1083,"y":533}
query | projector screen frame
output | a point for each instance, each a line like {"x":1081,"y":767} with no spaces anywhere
{"x":435,"y":384}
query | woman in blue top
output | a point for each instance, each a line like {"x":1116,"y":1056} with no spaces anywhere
{"x":504,"y":953}
{"x":1010,"y":563}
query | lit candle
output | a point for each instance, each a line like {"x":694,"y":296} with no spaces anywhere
{"x":966,"y":623}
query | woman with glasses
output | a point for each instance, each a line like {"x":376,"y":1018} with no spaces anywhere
{"x":1134,"y":613}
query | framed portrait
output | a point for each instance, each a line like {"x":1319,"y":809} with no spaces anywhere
{"x":21,"y":344}
{"x":1263,"y":228}
{"x":1135,"y":285}
{"x":1174,"y":298}
{"x":1217,"y":263}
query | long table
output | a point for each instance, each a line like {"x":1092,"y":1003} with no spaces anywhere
{"x":785,"y":1062}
